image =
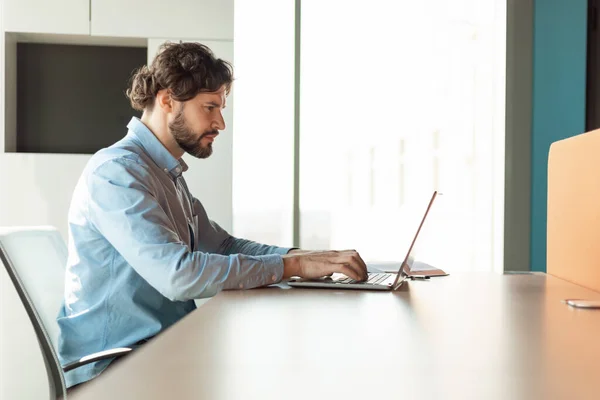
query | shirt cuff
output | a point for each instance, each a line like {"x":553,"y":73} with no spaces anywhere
{"x":273,"y":264}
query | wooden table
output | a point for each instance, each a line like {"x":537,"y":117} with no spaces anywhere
{"x":479,"y":336}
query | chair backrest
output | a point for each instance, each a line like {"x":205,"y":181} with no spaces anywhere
{"x":35,"y":259}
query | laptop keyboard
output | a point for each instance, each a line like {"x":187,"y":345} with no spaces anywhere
{"x":374,"y":279}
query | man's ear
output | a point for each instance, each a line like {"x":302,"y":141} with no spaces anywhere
{"x":164,"y":100}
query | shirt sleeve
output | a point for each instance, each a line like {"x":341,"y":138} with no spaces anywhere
{"x":125,"y":211}
{"x":233,"y":245}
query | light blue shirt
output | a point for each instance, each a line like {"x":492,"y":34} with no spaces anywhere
{"x":141,"y":248}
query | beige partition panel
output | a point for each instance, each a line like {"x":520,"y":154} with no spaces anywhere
{"x":573,"y":251}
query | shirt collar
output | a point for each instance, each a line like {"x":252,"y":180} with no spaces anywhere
{"x":139,"y":132}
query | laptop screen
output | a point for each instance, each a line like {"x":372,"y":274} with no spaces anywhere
{"x":409,"y":259}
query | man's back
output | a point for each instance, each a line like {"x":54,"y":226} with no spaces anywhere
{"x":108,"y":304}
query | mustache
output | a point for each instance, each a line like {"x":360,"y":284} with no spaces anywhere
{"x":211,"y":132}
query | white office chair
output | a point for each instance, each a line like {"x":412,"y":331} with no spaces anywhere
{"x":35,"y":259}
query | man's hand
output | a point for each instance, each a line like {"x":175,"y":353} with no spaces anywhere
{"x":316,"y":264}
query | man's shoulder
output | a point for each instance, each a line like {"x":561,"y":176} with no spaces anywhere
{"x":116,"y":153}
{"x":118,"y":159}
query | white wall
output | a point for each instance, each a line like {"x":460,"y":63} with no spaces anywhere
{"x":264,"y":120}
{"x":47,"y":16}
{"x":207,"y":19}
{"x":22,"y":372}
{"x":35,"y":189}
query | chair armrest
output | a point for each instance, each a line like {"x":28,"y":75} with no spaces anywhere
{"x":101,"y":355}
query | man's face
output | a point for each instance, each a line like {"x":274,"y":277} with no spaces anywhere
{"x":197,"y":123}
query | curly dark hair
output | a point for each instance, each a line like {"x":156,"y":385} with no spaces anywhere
{"x":185,"y":69}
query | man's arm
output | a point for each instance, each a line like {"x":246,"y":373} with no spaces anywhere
{"x":123,"y":209}
{"x":233,"y":245}
{"x":305,"y":263}
{"x":296,"y":262}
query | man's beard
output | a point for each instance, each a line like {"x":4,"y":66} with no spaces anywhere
{"x":186,"y":139}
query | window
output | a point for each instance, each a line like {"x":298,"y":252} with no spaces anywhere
{"x":263,"y":121}
{"x":398,"y":99}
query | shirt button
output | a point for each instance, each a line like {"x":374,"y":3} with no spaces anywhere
{"x":241,"y":286}
{"x":177,"y":169}
{"x":166,"y":170}
{"x":274,"y":278}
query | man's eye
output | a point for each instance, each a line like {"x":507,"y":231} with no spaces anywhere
{"x":210,"y":108}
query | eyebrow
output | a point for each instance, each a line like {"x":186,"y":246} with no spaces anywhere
{"x":212,"y":103}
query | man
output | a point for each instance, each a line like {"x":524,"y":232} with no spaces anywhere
{"x":141,"y":247}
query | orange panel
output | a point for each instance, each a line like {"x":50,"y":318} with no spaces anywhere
{"x":573,"y":251}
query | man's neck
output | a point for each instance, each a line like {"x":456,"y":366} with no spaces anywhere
{"x":158,"y":126}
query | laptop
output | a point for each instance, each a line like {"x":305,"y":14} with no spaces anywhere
{"x":377,"y":280}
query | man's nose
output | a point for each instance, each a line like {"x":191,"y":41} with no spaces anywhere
{"x":219,"y":123}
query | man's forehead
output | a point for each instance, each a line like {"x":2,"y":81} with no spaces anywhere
{"x":219,"y":96}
